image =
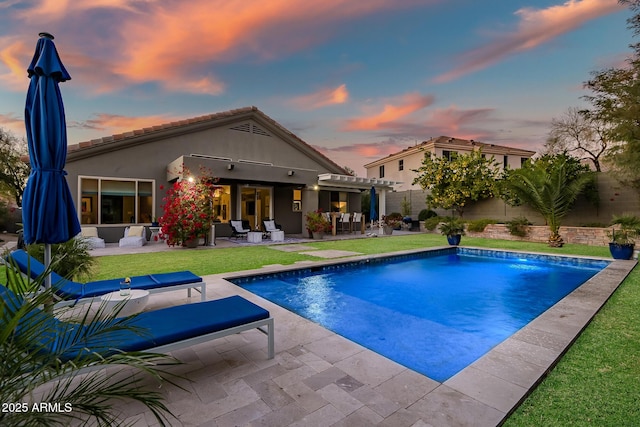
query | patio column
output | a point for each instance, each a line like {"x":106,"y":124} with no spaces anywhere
{"x":382,"y":208}
{"x":309,"y":204}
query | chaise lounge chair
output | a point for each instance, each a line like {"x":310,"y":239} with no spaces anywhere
{"x":160,"y":331}
{"x":71,"y":292}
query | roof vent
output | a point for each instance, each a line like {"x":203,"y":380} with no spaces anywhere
{"x":245,"y":127}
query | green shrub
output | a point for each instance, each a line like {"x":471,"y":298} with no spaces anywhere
{"x":518,"y":226}
{"x":426,"y":214}
{"x":479,"y":225}
{"x":70,"y":259}
{"x":431,"y":223}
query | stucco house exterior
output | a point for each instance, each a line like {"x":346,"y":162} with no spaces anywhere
{"x":399,"y":167}
{"x":264,"y":171}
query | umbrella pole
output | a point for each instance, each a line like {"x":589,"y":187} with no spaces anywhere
{"x":48,"y":305}
{"x":47,"y":263}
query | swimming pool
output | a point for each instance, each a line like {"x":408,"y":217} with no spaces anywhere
{"x":434,"y":312}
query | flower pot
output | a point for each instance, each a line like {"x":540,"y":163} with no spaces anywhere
{"x":621,"y":251}
{"x":318,"y":235}
{"x":454,"y":240}
{"x":191,"y":243}
{"x":387,"y":230}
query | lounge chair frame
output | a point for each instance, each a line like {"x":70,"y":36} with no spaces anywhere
{"x":34,"y":268}
{"x":259,"y":325}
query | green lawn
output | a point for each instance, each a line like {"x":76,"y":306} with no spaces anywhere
{"x":597,"y":383}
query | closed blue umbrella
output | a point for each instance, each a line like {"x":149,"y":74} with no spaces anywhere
{"x":372,"y":207}
{"x":48,"y":213}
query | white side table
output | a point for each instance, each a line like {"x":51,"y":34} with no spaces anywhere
{"x":136,"y":301}
{"x":254,"y":236}
{"x":277,"y":236}
{"x":155,"y":237}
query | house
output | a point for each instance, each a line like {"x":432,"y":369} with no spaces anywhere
{"x":264,"y":171}
{"x":400,"y":166}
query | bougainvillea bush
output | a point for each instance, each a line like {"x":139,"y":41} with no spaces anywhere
{"x":188,"y":209}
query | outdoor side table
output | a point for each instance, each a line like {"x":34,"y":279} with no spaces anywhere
{"x":254,"y":236}
{"x":155,"y":237}
{"x":136,"y":301}
{"x":277,"y":236}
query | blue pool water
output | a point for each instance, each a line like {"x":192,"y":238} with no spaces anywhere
{"x":435,"y":314}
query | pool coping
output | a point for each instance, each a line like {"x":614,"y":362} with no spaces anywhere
{"x":486,"y":392}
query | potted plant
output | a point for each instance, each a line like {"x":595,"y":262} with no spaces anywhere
{"x":453,"y":228}
{"x":391,"y":222}
{"x":623,"y":233}
{"x":317,"y":224}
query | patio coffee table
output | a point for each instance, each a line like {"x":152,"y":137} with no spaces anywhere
{"x":136,"y":301}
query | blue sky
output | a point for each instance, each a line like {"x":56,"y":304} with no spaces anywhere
{"x":356,"y":79}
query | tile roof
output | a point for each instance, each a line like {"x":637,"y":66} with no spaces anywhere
{"x":161,"y":128}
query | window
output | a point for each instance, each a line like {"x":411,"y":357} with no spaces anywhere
{"x":222,"y":202}
{"x":381,"y":170}
{"x":400,"y":165}
{"x":116,"y":201}
{"x":505,"y":162}
{"x":339,"y":201}
{"x":523,"y":160}
{"x":449,"y":154}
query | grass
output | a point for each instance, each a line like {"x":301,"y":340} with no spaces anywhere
{"x":597,"y":382}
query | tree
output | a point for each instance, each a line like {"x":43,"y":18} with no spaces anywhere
{"x":580,"y":133}
{"x":616,"y":102}
{"x":188,"y":212}
{"x":13,"y":170}
{"x":454,"y":183}
{"x":550,"y":187}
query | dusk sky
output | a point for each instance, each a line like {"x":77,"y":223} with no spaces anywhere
{"x":356,"y":79}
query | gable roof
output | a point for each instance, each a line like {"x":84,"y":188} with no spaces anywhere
{"x":454,"y":143}
{"x":149,"y":134}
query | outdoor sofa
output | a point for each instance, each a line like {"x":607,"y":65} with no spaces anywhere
{"x":159,"y":331}
{"x":71,"y":292}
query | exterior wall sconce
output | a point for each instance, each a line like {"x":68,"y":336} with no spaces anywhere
{"x":290,"y":173}
{"x":230,"y":167}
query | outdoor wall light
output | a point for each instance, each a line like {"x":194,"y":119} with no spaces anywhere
{"x":230,"y":167}
{"x":290,"y":173}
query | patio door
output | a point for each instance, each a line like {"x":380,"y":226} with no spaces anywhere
{"x":255,"y":205}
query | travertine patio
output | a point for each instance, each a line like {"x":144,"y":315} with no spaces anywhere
{"x":321,"y":379}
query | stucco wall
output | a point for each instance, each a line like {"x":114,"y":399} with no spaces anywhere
{"x":615,"y":199}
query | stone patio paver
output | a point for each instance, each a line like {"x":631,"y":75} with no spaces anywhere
{"x":319,"y":378}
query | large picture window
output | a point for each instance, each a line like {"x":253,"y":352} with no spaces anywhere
{"x":116,"y":201}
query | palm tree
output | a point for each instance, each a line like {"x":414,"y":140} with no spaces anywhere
{"x":549,"y":191}
{"x":48,"y":362}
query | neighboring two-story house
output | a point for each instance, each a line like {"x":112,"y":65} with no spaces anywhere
{"x":400,"y":166}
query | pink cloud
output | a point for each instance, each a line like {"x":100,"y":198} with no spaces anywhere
{"x":322,"y":98}
{"x":178,"y":44}
{"x":395,"y":109}
{"x":536,"y":27}
{"x":13,"y":123}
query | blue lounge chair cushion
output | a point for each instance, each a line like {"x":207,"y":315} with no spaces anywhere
{"x":153,"y":328}
{"x":70,"y":290}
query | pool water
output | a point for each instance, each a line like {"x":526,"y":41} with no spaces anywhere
{"x":433,"y":314}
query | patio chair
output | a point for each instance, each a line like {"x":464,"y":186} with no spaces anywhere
{"x":71,"y":292}
{"x":135,"y":236}
{"x":158,"y":331}
{"x":90,"y":235}
{"x":238,"y":230}
{"x":270,"y":225}
{"x":357,"y":219}
{"x":345,"y":220}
